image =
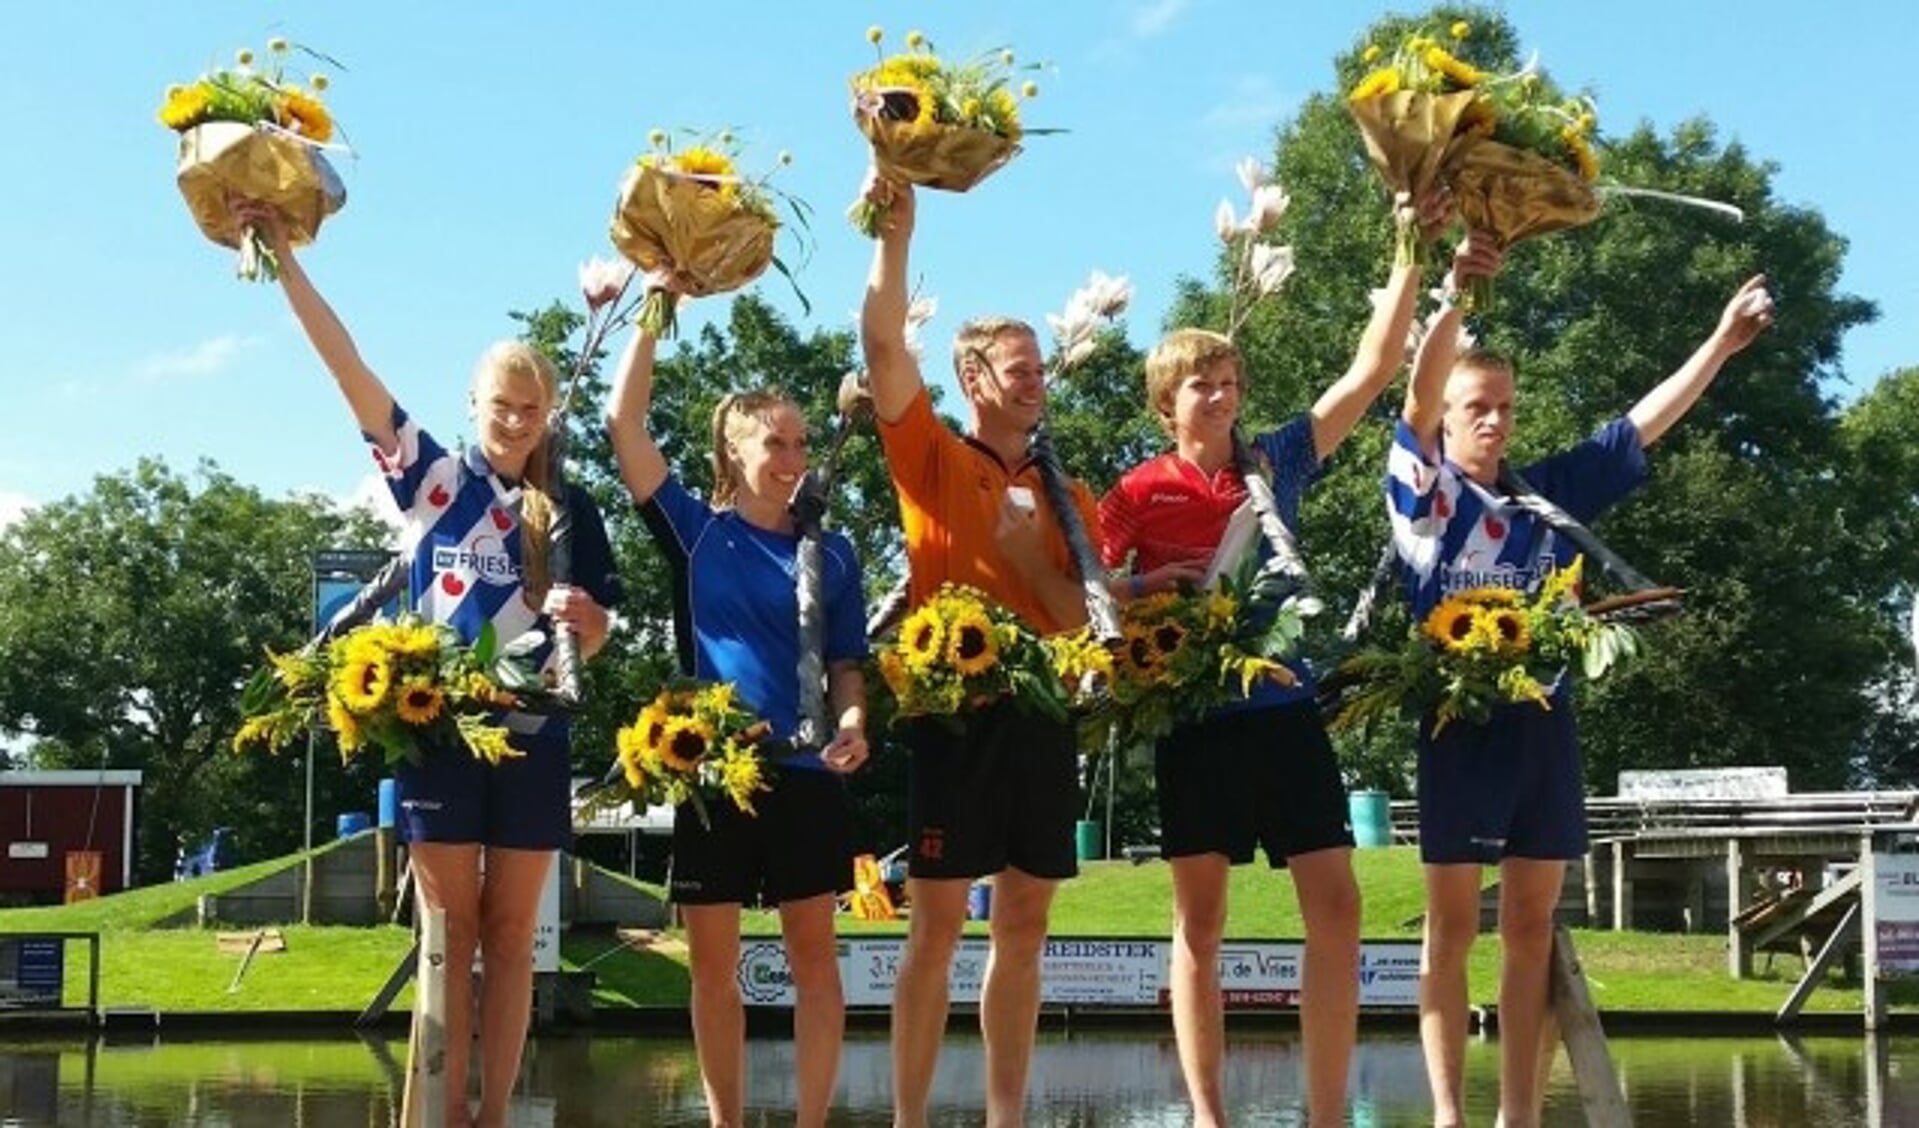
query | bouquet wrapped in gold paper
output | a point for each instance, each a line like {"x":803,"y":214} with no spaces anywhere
{"x":691,"y":212}
{"x":693,"y":743}
{"x":959,"y":650}
{"x":936,"y":123}
{"x":1181,"y":653}
{"x":1480,"y":649}
{"x":402,"y":687}
{"x":252,"y":132}
{"x":1413,"y":111}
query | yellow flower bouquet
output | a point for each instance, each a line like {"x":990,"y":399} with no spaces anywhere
{"x":692,"y":212}
{"x":693,"y":743}
{"x":252,"y":132}
{"x":1412,"y":112}
{"x":936,"y":123}
{"x":1181,"y":653}
{"x":959,"y":650}
{"x":403,"y":687}
{"x":1480,"y":649}
{"x":1519,"y":157}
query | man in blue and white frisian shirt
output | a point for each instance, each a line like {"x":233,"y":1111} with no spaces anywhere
{"x":1507,"y":792}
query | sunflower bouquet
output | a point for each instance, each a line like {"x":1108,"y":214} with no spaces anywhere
{"x":1517,"y":154}
{"x":691,"y":211}
{"x":1181,"y":653}
{"x":252,"y":131}
{"x":959,"y":650}
{"x":693,"y":743}
{"x":937,"y":123}
{"x":402,"y":687}
{"x":1480,"y":649}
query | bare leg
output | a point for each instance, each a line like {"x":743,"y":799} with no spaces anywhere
{"x":1199,"y":920}
{"x":819,"y":1013}
{"x":719,"y":1018}
{"x":448,"y":878}
{"x":1452,"y":924}
{"x":509,"y":905}
{"x":1329,"y":981}
{"x":1009,"y":999}
{"x":920,"y":995}
{"x":1528,"y":894}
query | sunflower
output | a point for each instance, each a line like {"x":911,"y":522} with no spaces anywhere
{"x":1584,"y":160}
{"x":1143,"y":659}
{"x":1460,"y":72}
{"x":1489,"y":596}
{"x":970,"y":646}
{"x":1509,"y":628}
{"x":628,"y":742}
{"x":1479,"y":117}
{"x":253,"y":730}
{"x":1168,"y":637}
{"x":685,"y":742}
{"x":1004,"y":109}
{"x":362,"y":683}
{"x":1385,"y":80}
{"x":303,"y":113}
{"x":1451,"y":624}
{"x":185,"y":107}
{"x":702,"y":161}
{"x":414,"y":640}
{"x":922,"y":638}
{"x":420,"y":701}
{"x":650,"y":729}
{"x":344,"y":724}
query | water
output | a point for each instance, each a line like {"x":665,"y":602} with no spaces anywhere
{"x":1123,"y":1080}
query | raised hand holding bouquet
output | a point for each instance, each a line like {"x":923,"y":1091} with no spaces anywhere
{"x":1414,"y":111}
{"x":937,"y":123}
{"x":1480,"y":649}
{"x":403,"y":687}
{"x":252,"y":132}
{"x":693,"y":743}
{"x":960,"y":650}
{"x":690,"y":212}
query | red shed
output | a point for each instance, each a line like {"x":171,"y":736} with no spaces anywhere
{"x":66,"y":834}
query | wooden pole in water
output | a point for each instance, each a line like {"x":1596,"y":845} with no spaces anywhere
{"x":1578,"y":1020}
{"x":424,"y":1103}
{"x":385,"y":882}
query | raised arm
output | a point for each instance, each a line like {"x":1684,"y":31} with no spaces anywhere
{"x":371,"y":403}
{"x":642,"y":467}
{"x":1744,"y":318}
{"x":1382,"y":346}
{"x":891,"y":366}
{"x":1477,"y":254}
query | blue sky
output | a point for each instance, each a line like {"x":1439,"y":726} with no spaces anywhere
{"x":491,"y":140}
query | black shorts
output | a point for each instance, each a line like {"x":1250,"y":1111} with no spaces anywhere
{"x":1251,"y":778}
{"x":799,"y":845}
{"x":521,"y":802}
{"x":996,"y":787}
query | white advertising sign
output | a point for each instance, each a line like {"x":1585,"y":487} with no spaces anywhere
{"x":1088,"y":972}
{"x":546,"y":926}
{"x":1896,"y":913}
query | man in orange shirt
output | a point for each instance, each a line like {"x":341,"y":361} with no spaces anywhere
{"x":998,"y":794}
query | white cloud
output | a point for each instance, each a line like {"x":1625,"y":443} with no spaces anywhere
{"x":1154,"y":17}
{"x":372,"y":495}
{"x":204,"y":359}
{"x":13,"y":506}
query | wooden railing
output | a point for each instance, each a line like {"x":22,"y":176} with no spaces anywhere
{"x":1611,"y":818}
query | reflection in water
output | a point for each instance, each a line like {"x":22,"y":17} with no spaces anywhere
{"x":1083,"y":1081}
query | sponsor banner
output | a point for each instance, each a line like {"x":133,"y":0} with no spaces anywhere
{"x":32,"y":972}
{"x":1088,"y":972}
{"x":1896,"y":913}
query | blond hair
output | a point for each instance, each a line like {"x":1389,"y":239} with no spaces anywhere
{"x":978,"y":335}
{"x":537,"y":504}
{"x":1183,"y":353}
{"x":731,"y":418}
{"x":1484,"y":360}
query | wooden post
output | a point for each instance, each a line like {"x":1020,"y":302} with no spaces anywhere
{"x":1592,"y":890}
{"x":1578,"y":1020}
{"x":1738,"y":945}
{"x":1840,"y":941}
{"x":1621,"y":885}
{"x":1869,"y":933}
{"x":386,"y":883}
{"x":424,"y":1103}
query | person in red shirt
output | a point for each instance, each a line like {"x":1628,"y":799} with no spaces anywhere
{"x":1259,"y":772}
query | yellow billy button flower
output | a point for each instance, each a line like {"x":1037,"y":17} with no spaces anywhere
{"x":1006,"y":57}
{"x":244,"y":57}
{"x":1029,"y":89}
{"x":277,"y":45}
{"x":785,"y":158}
{"x":915,"y":40}
{"x":1461,"y":29}
{"x":874,"y":34}
{"x":657,"y":138}
{"x":321,"y":82}
{"x":1370,"y":53}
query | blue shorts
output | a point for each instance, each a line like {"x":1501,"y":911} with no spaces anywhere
{"x":523,"y":803}
{"x":1510,"y":788}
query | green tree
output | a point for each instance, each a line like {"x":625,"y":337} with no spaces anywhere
{"x":129,"y":618}
{"x":1787,"y":629}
